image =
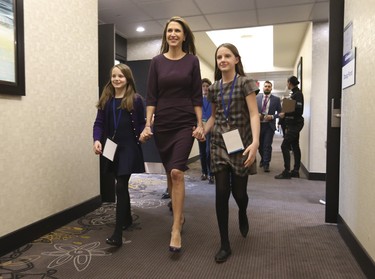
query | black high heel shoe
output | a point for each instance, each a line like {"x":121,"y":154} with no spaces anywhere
{"x":174,"y":249}
{"x":114,"y":242}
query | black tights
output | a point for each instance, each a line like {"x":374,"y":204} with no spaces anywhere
{"x":122,"y":204}
{"x":227,"y":181}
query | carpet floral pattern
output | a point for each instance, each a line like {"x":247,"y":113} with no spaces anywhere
{"x":72,"y":245}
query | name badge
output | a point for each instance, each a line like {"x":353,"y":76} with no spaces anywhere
{"x":109,"y":149}
{"x":233,"y":141}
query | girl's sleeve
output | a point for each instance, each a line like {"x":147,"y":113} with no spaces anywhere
{"x":250,"y":86}
{"x":98,"y":125}
{"x":140,"y":112}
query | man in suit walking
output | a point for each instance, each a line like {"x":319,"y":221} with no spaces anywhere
{"x":269,"y":107}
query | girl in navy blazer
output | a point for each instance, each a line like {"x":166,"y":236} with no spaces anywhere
{"x":120,"y":119}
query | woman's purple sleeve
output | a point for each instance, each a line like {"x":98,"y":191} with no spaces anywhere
{"x":197,"y":98}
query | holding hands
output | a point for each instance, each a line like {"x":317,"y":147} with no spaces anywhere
{"x":198,"y":133}
{"x":146,"y":134}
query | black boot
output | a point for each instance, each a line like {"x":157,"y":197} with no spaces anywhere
{"x":244,"y":222}
{"x":223,"y":255}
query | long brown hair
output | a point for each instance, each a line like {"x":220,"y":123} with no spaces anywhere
{"x":188,"y":45}
{"x":109,"y":91}
{"x":239,"y":66}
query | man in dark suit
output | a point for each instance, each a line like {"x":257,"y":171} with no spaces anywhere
{"x":269,"y":107}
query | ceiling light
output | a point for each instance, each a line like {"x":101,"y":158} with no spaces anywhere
{"x":140,"y":29}
{"x":255,"y":46}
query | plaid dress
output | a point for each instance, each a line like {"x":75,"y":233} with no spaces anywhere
{"x":238,"y":118}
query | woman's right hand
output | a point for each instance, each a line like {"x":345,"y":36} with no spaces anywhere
{"x":97,"y":147}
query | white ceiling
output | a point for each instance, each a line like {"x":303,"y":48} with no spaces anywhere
{"x":288,"y":16}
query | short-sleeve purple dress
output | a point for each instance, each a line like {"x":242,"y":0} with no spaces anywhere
{"x":174,"y":87}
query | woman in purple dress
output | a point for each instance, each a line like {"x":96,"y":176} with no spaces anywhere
{"x":174,"y":98}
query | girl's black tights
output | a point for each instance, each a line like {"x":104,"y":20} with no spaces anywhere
{"x":227,"y":181}
{"x":122,"y":204}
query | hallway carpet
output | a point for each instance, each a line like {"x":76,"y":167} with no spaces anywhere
{"x":288,"y":237}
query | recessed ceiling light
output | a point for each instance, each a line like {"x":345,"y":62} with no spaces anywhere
{"x":140,"y":29}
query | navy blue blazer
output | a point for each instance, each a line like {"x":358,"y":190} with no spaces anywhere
{"x":274,"y":108}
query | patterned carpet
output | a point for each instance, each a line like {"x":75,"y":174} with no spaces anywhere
{"x":288,"y":237}
{"x":77,"y":245}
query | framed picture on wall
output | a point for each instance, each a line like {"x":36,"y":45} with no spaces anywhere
{"x":12,"y":60}
{"x":299,"y":72}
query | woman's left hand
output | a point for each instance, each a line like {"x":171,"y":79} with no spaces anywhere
{"x":251,"y":152}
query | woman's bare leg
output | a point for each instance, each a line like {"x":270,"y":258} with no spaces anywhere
{"x":178,"y":197}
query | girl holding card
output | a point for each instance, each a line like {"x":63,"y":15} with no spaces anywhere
{"x":119,"y":122}
{"x":234,"y":126}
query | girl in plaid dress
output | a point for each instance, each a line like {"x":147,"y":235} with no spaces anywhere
{"x":234,"y":108}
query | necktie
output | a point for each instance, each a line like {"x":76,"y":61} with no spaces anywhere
{"x":265,"y":104}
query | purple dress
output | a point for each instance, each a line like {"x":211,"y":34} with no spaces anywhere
{"x":174,"y":88}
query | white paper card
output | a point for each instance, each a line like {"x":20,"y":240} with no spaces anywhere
{"x":233,"y":141}
{"x":109,"y":149}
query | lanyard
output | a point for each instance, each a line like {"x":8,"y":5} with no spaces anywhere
{"x":206,"y":104}
{"x":226,"y":108}
{"x":115,"y":122}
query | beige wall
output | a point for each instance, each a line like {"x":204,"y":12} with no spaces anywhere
{"x":306,"y":53}
{"x":318,"y":98}
{"x":357,"y":176}
{"x":314,"y":52}
{"x":46,"y":160}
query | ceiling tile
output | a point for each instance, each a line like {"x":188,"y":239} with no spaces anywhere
{"x":223,"y":6}
{"x":284,"y":14}
{"x":128,"y":30}
{"x":261,"y":4}
{"x":232,"y":20}
{"x":169,"y":8}
{"x":129,"y":12}
{"x":198,"y":23}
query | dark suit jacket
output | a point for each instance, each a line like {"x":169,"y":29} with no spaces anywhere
{"x":274,"y":108}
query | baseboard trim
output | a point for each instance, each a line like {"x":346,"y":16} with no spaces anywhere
{"x":33,"y":231}
{"x":317,"y":176}
{"x":363,"y":259}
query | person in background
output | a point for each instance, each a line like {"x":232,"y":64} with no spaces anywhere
{"x":294,"y":123}
{"x":120,"y":119}
{"x":269,"y":107}
{"x":204,"y":146}
{"x":234,"y":109}
{"x":174,"y":96}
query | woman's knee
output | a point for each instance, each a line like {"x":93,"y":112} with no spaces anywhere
{"x":177,"y":175}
